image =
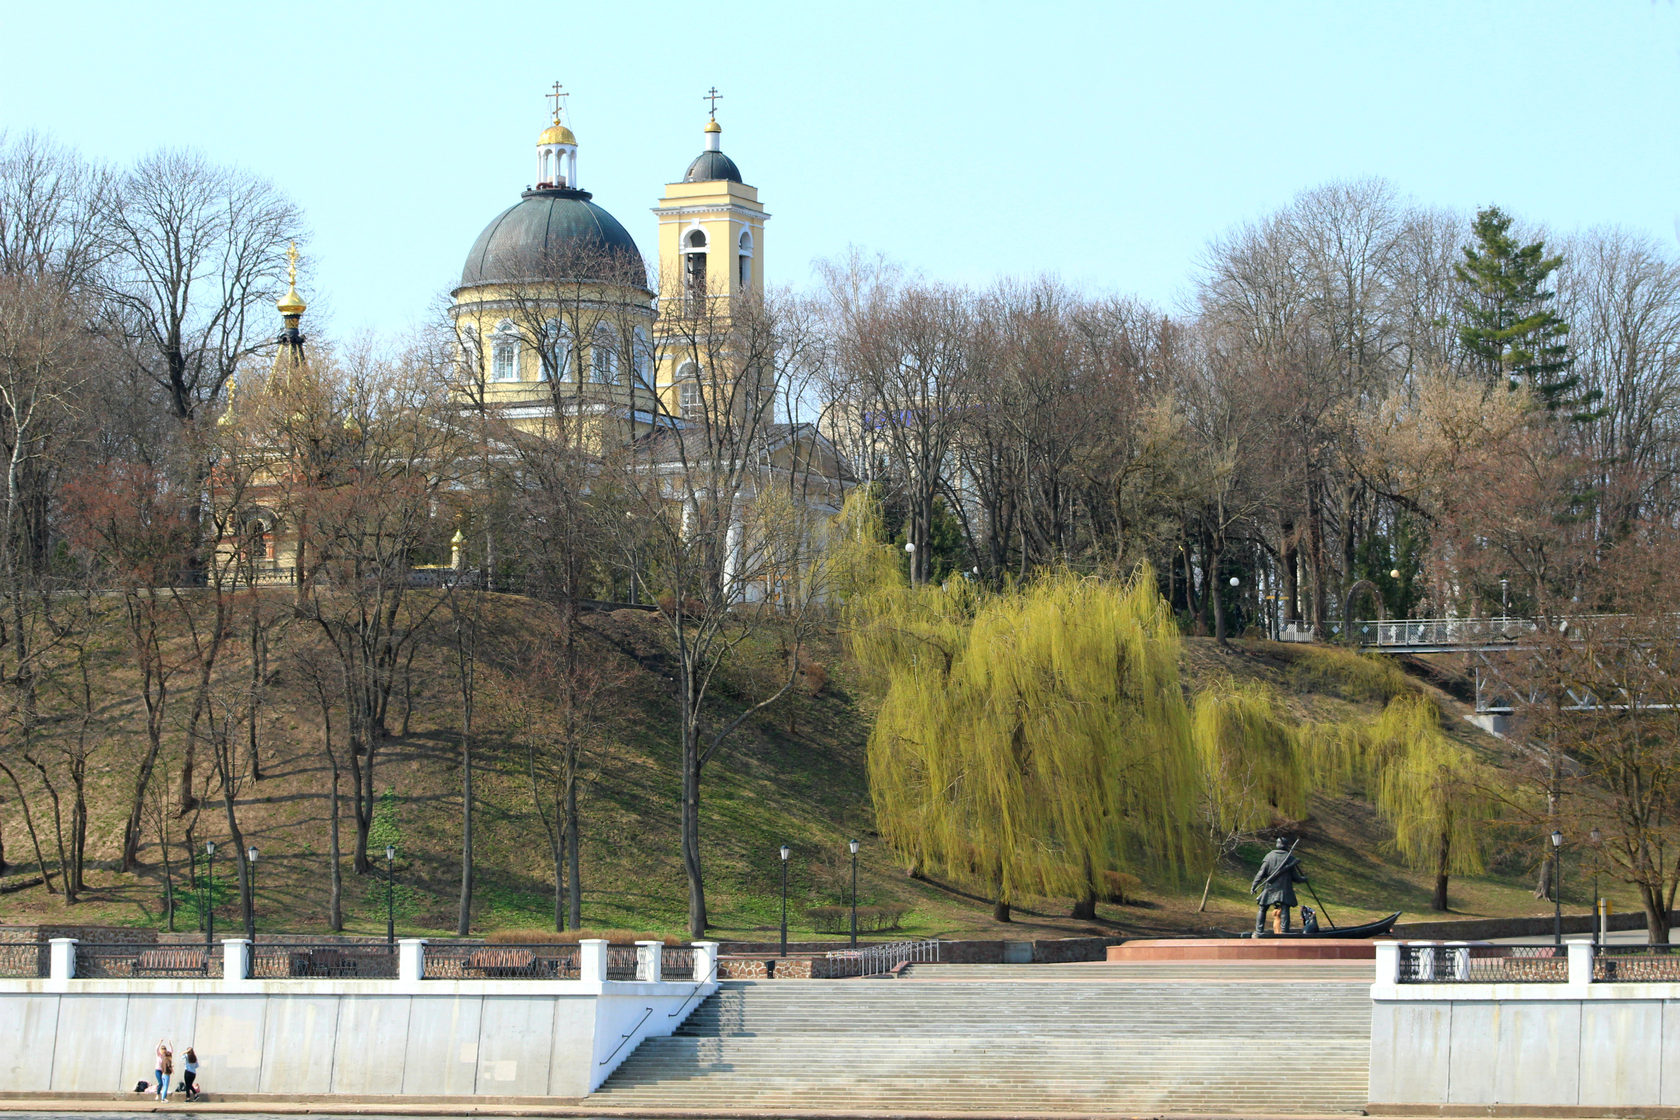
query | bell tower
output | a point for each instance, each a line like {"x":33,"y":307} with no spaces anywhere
{"x":711,"y":249}
{"x":711,"y":226}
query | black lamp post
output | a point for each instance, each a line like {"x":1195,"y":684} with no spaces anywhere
{"x":786,"y":851}
{"x":1597,"y":838}
{"x":390,"y":905}
{"x":1557,"y":887}
{"x":854,"y":847}
{"x":209,"y":894}
{"x":251,"y":863}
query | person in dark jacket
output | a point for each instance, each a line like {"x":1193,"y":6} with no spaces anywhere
{"x":1275,"y":883}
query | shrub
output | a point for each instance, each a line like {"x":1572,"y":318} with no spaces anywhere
{"x":871,"y":919}
{"x":1121,"y":888}
{"x":816,"y":677}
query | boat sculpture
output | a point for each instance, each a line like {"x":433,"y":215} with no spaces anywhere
{"x":1378,"y":928}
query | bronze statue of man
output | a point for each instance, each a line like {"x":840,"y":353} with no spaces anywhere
{"x":1275,"y":885}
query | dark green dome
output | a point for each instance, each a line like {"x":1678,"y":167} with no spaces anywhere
{"x":710,"y":165}
{"x":549,"y":228}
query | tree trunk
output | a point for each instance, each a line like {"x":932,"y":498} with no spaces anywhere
{"x":691,"y":830}
{"x":335,"y":890}
{"x":1085,"y":909}
{"x":1443,"y":857}
{"x":1000,"y":911}
{"x":463,"y":919}
{"x":574,"y":883}
{"x":1656,"y":915}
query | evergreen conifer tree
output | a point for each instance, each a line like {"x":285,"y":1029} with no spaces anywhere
{"x":1507,"y":326}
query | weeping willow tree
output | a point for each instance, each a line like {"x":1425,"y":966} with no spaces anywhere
{"x":1030,"y":740}
{"x":1255,"y":764}
{"x":1430,"y":789}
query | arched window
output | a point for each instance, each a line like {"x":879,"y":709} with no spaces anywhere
{"x":744,"y":251}
{"x":603,"y":361}
{"x":472,"y":352}
{"x":689,"y":396}
{"x":694,"y":264}
{"x":557,"y":351}
{"x":504,"y":355}
{"x":643,"y":359}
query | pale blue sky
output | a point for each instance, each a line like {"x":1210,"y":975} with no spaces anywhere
{"x":1105,"y":143}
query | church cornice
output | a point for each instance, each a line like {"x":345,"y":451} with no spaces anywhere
{"x":670,"y":214}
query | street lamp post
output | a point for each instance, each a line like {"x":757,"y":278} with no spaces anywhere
{"x":1597,"y":838}
{"x":390,"y":905}
{"x":1505,"y":606}
{"x":1557,"y":888}
{"x":209,"y":894}
{"x":251,"y":864}
{"x":786,"y":851}
{"x":854,"y":847}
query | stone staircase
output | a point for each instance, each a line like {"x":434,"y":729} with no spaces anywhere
{"x":1015,"y":1044}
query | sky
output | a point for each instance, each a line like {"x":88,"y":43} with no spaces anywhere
{"x":1105,"y":144}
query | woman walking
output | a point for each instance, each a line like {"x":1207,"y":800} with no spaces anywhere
{"x":165,"y":1067}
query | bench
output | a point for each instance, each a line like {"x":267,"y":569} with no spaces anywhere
{"x":505,"y":963}
{"x":168,"y":962}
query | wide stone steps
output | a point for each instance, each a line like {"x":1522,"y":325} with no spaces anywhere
{"x":1015,"y":1045}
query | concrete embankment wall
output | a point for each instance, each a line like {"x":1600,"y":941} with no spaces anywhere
{"x":468,"y":1038}
{"x":1583,"y":1047}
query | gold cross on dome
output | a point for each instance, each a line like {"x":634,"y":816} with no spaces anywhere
{"x":712,"y":95}
{"x":291,"y":263}
{"x":558,"y":97}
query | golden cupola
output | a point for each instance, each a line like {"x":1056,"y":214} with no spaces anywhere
{"x":291,"y":305}
{"x":557,"y":151}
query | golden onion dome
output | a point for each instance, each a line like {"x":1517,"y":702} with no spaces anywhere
{"x":291,"y":303}
{"x":713,"y":126}
{"x":557,"y":133}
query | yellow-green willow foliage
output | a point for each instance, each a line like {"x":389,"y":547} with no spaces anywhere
{"x":1031,"y":740}
{"x":1430,"y":789}
{"x":1253,"y":757}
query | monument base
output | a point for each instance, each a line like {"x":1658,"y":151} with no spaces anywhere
{"x":1244,"y":949}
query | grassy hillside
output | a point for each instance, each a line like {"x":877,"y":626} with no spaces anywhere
{"x":794,"y":774}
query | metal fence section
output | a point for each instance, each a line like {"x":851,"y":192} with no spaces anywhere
{"x":1637,"y":964}
{"x":25,"y":961}
{"x":445,"y":961}
{"x":621,"y":962}
{"x":1483,"y":964}
{"x":322,"y":961}
{"x":677,"y":963}
{"x":875,"y":960}
{"x":140,"y":960}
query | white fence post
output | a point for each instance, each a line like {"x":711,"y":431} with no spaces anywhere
{"x":705,"y":961}
{"x":650,"y":960}
{"x":1580,"y":963}
{"x":411,"y":959}
{"x":592,"y":960}
{"x":1388,"y":962}
{"x":61,"y":963}
{"x":236,"y":960}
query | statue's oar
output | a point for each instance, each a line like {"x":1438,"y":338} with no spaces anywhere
{"x":1308,"y":881}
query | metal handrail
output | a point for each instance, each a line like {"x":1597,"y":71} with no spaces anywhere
{"x":873,"y":960}
{"x":628,"y":1037}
